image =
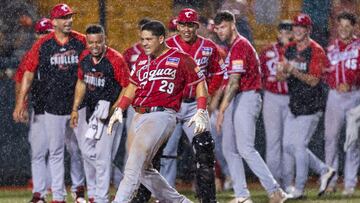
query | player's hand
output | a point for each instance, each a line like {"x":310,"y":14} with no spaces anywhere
{"x":74,"y":118}
{"x":116,"y":116}
{"x":201,"y":120}
{"x":19,"y":113}
{"x":219,"y":121}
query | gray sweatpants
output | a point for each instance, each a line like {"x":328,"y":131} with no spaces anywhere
{"x":146,"y":134}
{"x":296,"y":154}
{"x":237,"y":146}
{"x":336,"y":107}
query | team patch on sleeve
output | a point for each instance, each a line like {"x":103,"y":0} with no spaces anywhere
{"x":172,"y":61}
{"x":206,"y":51}
{"x":238,"y":65}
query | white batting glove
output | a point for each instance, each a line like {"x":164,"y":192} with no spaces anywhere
{"x":116,"y":116}
{"x":352,"y":126}
{"x":201,"y":120}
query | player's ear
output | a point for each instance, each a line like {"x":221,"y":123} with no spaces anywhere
{"x":54,"y":22}
{"x":162,"y":39}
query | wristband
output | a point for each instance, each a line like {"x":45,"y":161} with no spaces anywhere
{"x":201,"y":103}
{"x":124,"y":102}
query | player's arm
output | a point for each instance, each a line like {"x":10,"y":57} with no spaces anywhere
{"x":125,"y":101}
{"x":20,"y":110}
{"x":80,"y":90}
{"x":304,"y":77}
{"x":230,"y":91}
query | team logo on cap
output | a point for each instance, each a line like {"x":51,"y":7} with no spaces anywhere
{"x":188,"y":14}
{"x":65,"y":8}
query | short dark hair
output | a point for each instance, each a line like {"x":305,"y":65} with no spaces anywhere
{"x":347,"y":16}
{"x":285,"y":25}
{"x":224,"y":16}
{"x":143,"y":21}
{"x":95,"y":29}
{"x":156,"y":27}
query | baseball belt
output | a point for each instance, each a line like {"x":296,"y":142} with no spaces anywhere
{"x":143,"y":110}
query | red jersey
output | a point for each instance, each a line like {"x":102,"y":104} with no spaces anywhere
{"x":269,"y":57}
{"x":161,"y":81}
{"x":131,"y":54}
{"x":243,"y":59}
{"x":344,"y":68}
{"x":207,"y":57}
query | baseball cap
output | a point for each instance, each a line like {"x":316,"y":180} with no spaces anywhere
{"x":188,"y":15}
{"x":61,"y":10}
{"x":172,"y":23}
{"x":43,"y":25}
{"x":302,"y":20}
{"x":285,"y":25}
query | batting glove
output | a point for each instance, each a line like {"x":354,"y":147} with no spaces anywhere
{"x":116,"y":116}
{"x":201,"y":120}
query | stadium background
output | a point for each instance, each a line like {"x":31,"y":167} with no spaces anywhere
{"x":120,"y":18}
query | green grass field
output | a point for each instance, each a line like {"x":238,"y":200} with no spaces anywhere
{"x":23,"y":195}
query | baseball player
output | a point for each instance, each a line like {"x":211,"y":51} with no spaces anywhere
{"x":207,"y":57}
{"x":155,"y":90}
{"x":101,"y":76}
{"x":343,"y":78}
{"x":276,"y":100}
{"x":242,"y":90}
{"x":37,"y":136}
{"x":303,"y":65}
{"x":54,"y":59}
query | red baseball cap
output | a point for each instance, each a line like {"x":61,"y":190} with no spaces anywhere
{"x":43,"y":25}
{"x":188,"y":15}
{"x":61,"y":10}
{"x":302,"y":20}
{"x":172,"y":23}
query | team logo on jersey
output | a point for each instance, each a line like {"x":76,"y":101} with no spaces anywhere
{"x":270,"y":54}
{"x":172,"y":61}
{"x":159,"y":74}
{"x":65,"y":59}
{"x":237,"y":64}
{"x":94,"y":80}
{"x":206,"y":51}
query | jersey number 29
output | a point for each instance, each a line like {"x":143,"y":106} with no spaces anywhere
{"x":167,"y":87}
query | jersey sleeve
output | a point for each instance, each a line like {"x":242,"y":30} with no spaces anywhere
{"x":238,"y":60}
{"x":22,"y":68}
{"x":191,"y":72}
{"x":127,"y":56}
{"x":34,"y":53}
{"x":318,"y":62}
{"x":121,"y":71}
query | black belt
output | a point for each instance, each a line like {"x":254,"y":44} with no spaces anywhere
{"x":189,"y":100}
{"x":143,"y":110}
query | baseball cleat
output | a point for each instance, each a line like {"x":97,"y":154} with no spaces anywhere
{"x":241,"y":200}
{"x":278,"y":196}
{"x":348,"y":192}
{"x":325,"y":180}
{"x":296,"y":194}
{"x":36,"y":198}
{"x":79,"y":195}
